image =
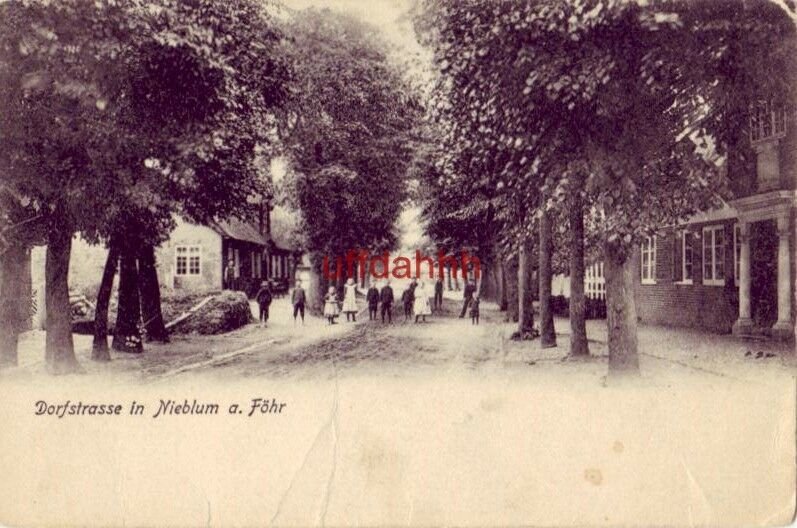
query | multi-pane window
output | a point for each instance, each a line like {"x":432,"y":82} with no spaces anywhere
{"x":686,"y":257}
{"x":594,"y":282}
{"x":714,"y":255}
{"x":767,"y":121}
{"x":188,"y":260}
{"x":648,"y":256}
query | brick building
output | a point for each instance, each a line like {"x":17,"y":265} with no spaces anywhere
{"x":733,"y":269}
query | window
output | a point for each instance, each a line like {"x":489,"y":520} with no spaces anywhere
{"x":767,"y":121}
{"x":594,"y":283}
{"x":714,"y":255}
{"x":737,"y":252}
{"x":188,"y":260}
{"x":686,"y":258}
{"x":648,"y":256}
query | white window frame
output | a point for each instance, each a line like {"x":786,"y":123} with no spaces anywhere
{"x":187,"y":248}
{"x":651,"y":253}
{"x":684,"y":237}
{"x":709,"y":231}
{"x":767,"y":121}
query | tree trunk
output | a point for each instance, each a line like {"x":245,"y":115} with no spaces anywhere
{"x":500,"y":285}
{"x":99,"y":349}
{"x":620,"y":310}
{"x":59,"y":349}
{"x":547,"y":331}
{"x":127,"y":335}
{"x":14,"y":302}
{"x":525,"y":302}
{"x":511,"y":280}
{"x":319,"y":283}
{"x":578,"y":322}
{"x":149,"y":288}
{"x":448,"y":277}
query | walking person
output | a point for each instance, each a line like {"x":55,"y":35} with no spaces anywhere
{"x":421,"y":305}
{"x":331,"y":309}
{"x":438,"y":294}
{"x":474,"y":310}
{"x":467,"y":296}
{"x":350,"y":300}
{"x":298,"y":299}
{"x":386,"y":296}
{"x":264,"y":298}
{"x":373,"y":301}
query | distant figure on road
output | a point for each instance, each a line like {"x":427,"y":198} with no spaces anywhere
{"x":438,"y":294}
{"x":386,"y":296}
{"x":421,"y":303}
{"x":331,"y":309}
{"x":264,"y":298}
{"x":406,"y":302}
{"x":467,"y":295}
{"x":373,"y":302}
{"x":229,"y":275}
{"x":350,"y":300}
{"x":474,"y":310}
{"x":298,"y":298}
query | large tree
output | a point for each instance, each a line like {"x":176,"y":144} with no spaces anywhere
{"x":118,"y":115}
{"x":349,"y":134}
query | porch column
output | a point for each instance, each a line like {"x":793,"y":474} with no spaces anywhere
{"x":744,"y":323}
{"x":783,"y":327}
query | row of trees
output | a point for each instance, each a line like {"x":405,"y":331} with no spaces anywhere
{"x":608,"y":119}
{"x":118,"y":115}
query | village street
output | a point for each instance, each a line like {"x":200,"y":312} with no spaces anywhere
{"x":443,"y":343}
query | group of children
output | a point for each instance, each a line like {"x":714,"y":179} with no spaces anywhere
{"x":414,"y":299}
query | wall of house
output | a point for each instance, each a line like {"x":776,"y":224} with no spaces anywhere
{"x":187,"y":234}
{"x":671,"y":301}
{"x":86,"y":265}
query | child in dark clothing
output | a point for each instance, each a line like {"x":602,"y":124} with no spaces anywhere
{"x":373,"y":302}
{"x":263,"y":298}
{"x":474,"y":310}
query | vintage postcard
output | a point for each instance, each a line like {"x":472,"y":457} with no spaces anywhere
{"x":398,"y":262}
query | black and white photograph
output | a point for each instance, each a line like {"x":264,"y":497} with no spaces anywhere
{"x":398,"y":262}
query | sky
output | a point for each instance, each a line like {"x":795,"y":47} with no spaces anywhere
{"x":387,"y":15}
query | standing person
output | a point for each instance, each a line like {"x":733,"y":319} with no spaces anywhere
{"x":407,"y":300}
{"x":474,"y":310}
{"x":386,"y":296}
{"x":298,"y":298}
{"x":229,"y":275}
{"x":421,"y":303}
{"x":467,"y":296}
{"x":373,"y":301}
{"x":331,"y":305}
{"x":438,"y":294}
{"x":264,"y":298}
{"x":350,"y":300}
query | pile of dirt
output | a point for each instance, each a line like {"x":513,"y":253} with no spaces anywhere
{"x":223,"y":312}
